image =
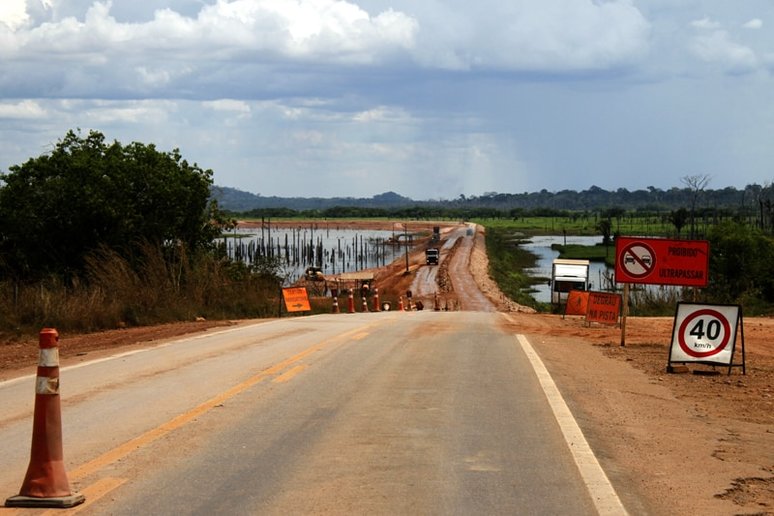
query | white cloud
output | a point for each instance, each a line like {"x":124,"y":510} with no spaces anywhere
{"x":229,"y":105}
{"x":381,"y":114}
{"x":755,"y":24}
{"x":333,"y":29}
{"x":13,"y":13}
{"x":25,"y":109}
{"x":126,"y":112}
{"x":718,"y":48}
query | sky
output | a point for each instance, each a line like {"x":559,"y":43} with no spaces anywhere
{"x":431,"y":99}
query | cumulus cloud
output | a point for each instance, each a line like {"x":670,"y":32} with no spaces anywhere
{"x":26,"y":109}
{"x":718,"y":48}
{"x":162,"y":50}
{"x":334,"y":29}
{"x":226,"y":45}
{"x":755,"y":24}
{"x":13,"y":14}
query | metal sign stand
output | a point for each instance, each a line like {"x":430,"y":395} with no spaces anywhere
{"x":624,"y":313}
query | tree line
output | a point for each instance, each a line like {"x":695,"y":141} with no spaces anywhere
{"x":752,"y":201}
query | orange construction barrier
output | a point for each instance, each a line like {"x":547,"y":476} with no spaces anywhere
{"x":377,"y":306}
{"x":46,"y":484}
{"x":400,"y":303}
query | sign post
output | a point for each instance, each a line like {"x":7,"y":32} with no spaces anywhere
{"x":624,"y":314}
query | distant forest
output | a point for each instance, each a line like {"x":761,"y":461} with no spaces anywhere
{"x":752,"y":202}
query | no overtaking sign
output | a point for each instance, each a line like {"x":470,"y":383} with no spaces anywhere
{"x":662,"y":261}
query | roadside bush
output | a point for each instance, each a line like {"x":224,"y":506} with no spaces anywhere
{"x":147,"y":289}
{"x":741,"y":267}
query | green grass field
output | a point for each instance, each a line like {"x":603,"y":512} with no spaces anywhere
{"x":582,"y":225}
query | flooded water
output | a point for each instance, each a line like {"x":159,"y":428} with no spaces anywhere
{"x":541,"y":246}
{"x":333,"y":249}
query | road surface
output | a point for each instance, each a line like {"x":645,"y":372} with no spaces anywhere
{"x":458,"y":259}
{"x":374,"y":413}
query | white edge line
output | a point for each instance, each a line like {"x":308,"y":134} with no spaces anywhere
{"x":150,"y":347}
{"x":196,"y":336}
{"x":603,"y":494}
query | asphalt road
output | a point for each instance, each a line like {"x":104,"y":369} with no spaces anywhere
{"x":375,"y":413}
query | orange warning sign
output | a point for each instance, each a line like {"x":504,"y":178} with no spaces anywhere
{"x":296,"y":299}
{"x":604,"y":307}
{"x":577,"y":302}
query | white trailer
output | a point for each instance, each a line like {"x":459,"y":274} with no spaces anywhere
{"x":568,"y":275}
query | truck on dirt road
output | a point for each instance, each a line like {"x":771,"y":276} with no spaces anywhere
{"x":432,"y":256}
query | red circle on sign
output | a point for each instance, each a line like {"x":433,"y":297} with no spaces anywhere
{"x":630,"y":257}
{"x":704,"y":354}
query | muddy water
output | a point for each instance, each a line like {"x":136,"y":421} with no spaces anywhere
{"x":333,"y":249}
{"x":541,"y":246}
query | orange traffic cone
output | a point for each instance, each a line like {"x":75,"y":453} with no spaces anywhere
{"x":46,"y":484}
{"x":377,"y":307}
{"x":351,"y":302}
{"x":335,"y":305}
{"x":400,"y":303}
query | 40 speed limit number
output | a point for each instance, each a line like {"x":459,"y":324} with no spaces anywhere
{"x":704,"y":333}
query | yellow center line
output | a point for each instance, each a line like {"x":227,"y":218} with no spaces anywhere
{"x":288,"y":375}
{"x":154,"y":434}
{"x":92,"y":494}
{"x":361,"y":335}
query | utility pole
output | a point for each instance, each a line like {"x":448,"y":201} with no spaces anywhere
{"x":405,"y":238}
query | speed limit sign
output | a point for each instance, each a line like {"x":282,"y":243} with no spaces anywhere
{"x":705,"y":334}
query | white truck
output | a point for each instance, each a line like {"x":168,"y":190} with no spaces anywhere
{"x":568,"y":275}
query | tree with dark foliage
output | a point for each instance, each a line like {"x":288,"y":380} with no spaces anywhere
{"x":88,"y":194}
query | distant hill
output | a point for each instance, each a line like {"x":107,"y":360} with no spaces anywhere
{"x":235,"y":200}
{"x":751,"y":199}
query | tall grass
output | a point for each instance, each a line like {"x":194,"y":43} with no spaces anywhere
{"x":507,"y":261}
{"x":157,"y":286}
